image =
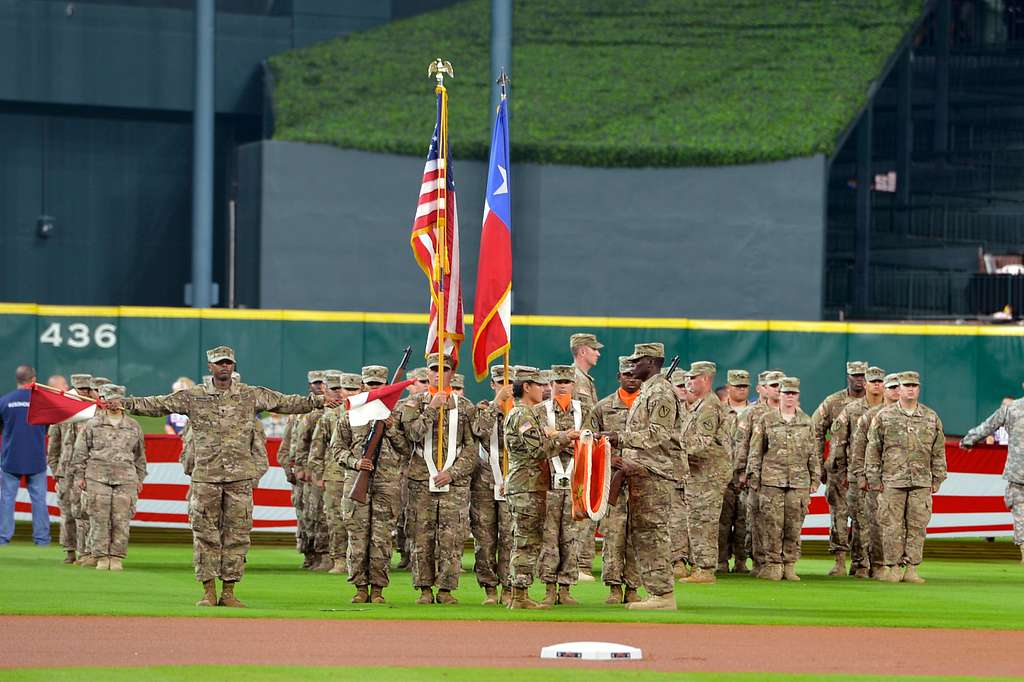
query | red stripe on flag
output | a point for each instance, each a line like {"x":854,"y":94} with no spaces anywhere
{"x":27,"y":507}
{"x":941,"y":504}
{"x":162,"y":448}
{"x":981,"y":459}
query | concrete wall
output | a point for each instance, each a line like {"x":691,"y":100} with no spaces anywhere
{"x":734,"y":242}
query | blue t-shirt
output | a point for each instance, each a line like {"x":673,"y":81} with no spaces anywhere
{"x":23,"y":447}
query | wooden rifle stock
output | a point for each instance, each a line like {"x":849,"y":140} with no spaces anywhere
{"x":371,"y":444}
{"x":619,"y":478}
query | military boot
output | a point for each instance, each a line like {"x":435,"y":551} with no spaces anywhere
{"x":664,"y":602}
{"x":361,"y":596}
{"x":740,"y":566}
{"x":209,"y":594}
{"x":103,"y":563}
{"x":227,"y":595}
{"x":755,"y":570}
{"x":614,"y":594}
{"x":88,"y":561}
{"x":701,"y":576}
{"x":564,"y":598}
{"x":426,"y":596}
{"x":631,"y":596}
{"x":308,"y":560}
{"x":550,"y":595}
{"x":377,"y":595}
{"x":506,"y":596}
{"x":115,"y":564}
{"x":789,"y":573}
{"x":520,"y":599}
{"x":585,"y":577}
{"x":722,"y":567}
{"x":446,"y":597}
{"x":771,"y":572}
{"x":840,"y":568}
{"x":680,"y":570}
{"x":1022,"y":555}
{"x":403,"y":563}
{"x":490,"y":596}
{"x":861,"y":572}
{"x":323,"y":564}
{"x":338,"y":567}
{"x":70,"y":558}
{"x":876,"y":571}
{"x":892,"y":574}
{"x":911,"y":576}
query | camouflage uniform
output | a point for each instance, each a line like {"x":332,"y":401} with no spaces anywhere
{"x":437,"y":520}
{"x":906,"y":454}
{"x":741,"y":448}
{"x":57,"y":458}
{"x":783,"y":464}
{"x":870,"y":531}
{"x":220,"y":508}
{"x":490,"y":520}
{"x":1010,"y":417}
{"x":326,"y":467}
{"x":732,"y":524}
{"x":586,"y":393}
{"x":284,"y":460}
{"x":526,"y":490}
{"x":618,"y":558}
{"x":314,"y":525}
{"x":80,"y":498}
{"x":110,"y":457}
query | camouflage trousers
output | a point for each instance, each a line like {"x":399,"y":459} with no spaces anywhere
{"x":588,"y":544}
{"x":334,"y":519}
{"x":839,"y":515}
{"x":703,"y":510}
{"x":68,"y":536}
{"x":528,"y":513}
{"x":435,"y":523}
{"x":618,"y":557}
{"x":678,"y":527}
{"x":80,"y":512}
{"x":300,"y":538}
{"x":111,"y":508}
{"x":401,"y":537}
{"x":755,"y":533}
{"x":369,"y":529}
{"x":782,"y":517}
{"x":858,"y":547}
{"x":559,"y":554}
{"x":314,"y":520}
{"x":903,"y":514}
{"x":1014,"y":498}
{"x":871,"y":534}
{"x":732,"y":526}
{"x":221,"y":519}
{"x":490,"y":522}
{"x":649,"y":497}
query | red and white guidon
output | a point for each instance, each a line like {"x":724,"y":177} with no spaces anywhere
{"x":52,"y":406}
{"x":369,"y":406}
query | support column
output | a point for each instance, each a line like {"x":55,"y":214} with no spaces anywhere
{"x":862,"y":244}
{"x":501,"y":47}
{"x":202,"y":158}
{"x":942,"y":23}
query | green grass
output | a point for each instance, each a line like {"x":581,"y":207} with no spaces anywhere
{"x":158,"y":582}
{"x":253,"y":673}
{"x":603,"y":82}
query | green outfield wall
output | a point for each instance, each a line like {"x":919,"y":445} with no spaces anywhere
{"x":965,"y":369}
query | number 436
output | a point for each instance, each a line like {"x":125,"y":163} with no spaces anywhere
{"x":80,"y":336}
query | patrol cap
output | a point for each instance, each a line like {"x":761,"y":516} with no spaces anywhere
{"x":563,"y":373}
{"x":702,"y":367}
{"x":419,"y":374}
{"x":220,"y":353}
{"x":375,"y":374}
{"x":99,"y":381}
{"x":790,"y":385}
{"x":458,"y":381}
{"x":498,"y":374}
{"x":81,"y":381}
{"x":351,"y":381}
{"x":577,"y":340}
{"x":856,"y":367}
{"x":647,"y":350}
{"x":679,"y":377}
{"x":333,"y":379}
{"x":761,"y":377}
{"x":910,"y":378}
{"x":892,"y":380}
{"x":875,"y":374}
{"x":314,"y":375}
{"x":625,"y":364}
{"x":739,"y":377}
{"x":545,"y":376}
{"x":773,"y":377}
{"x":111,"y":391}
{"x":434,"y":361}
{"x":527,"y":373}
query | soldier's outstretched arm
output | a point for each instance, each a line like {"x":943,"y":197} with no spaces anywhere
{"x":158,"y":405}
{"x":272,"y":401}
{"x":986,"y":428}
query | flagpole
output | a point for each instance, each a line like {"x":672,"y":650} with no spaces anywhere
{"x":503,"y":81}
{"x":73,"y":396}
{"x":440,"y":262}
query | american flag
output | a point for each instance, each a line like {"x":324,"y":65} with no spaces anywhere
{"x":437,"y":204}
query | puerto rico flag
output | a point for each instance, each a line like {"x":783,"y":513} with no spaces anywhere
{"x":492,"y":309}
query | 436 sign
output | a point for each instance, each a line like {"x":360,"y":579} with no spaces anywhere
{"x":79,"y":335}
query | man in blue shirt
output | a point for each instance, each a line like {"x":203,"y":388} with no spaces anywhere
{"x":22,"y":453}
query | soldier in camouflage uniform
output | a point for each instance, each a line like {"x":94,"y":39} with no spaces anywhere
{"x":835,"y":492}
{"x":679,"y":525}
{"x":586,"y":351}
{"x":317,"y":546}
{"x":110,"y":461}
{"x":370,"y":524}
{"x":769,"y":383}
{"x":438,"y":495}
{"x":906,"y":462}
{"x":708,"y":448}
{"x":870,"y":531}
{"x":562,"y":418}
{"x":220,"y":506}
{"x":327,"y":473}
{"x":650,"y":452}
{"x":285,"y":460}
{"x":732,"y":525}
{"x":80,"y":498}
{"x":526,"y":487}
{"x":58,"y":458}
{"x":838,"y":465}
{"x":618,"y":558}
{"x":489,"y":517}
{"x":784,"y":467}
{"x":421,"y":382}
{"x":1010,"y":417}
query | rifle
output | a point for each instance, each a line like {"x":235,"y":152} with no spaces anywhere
{"x":371,"y":444}
{"x":618,"y":478}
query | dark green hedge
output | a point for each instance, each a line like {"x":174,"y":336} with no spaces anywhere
{"x":604,"y":82}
